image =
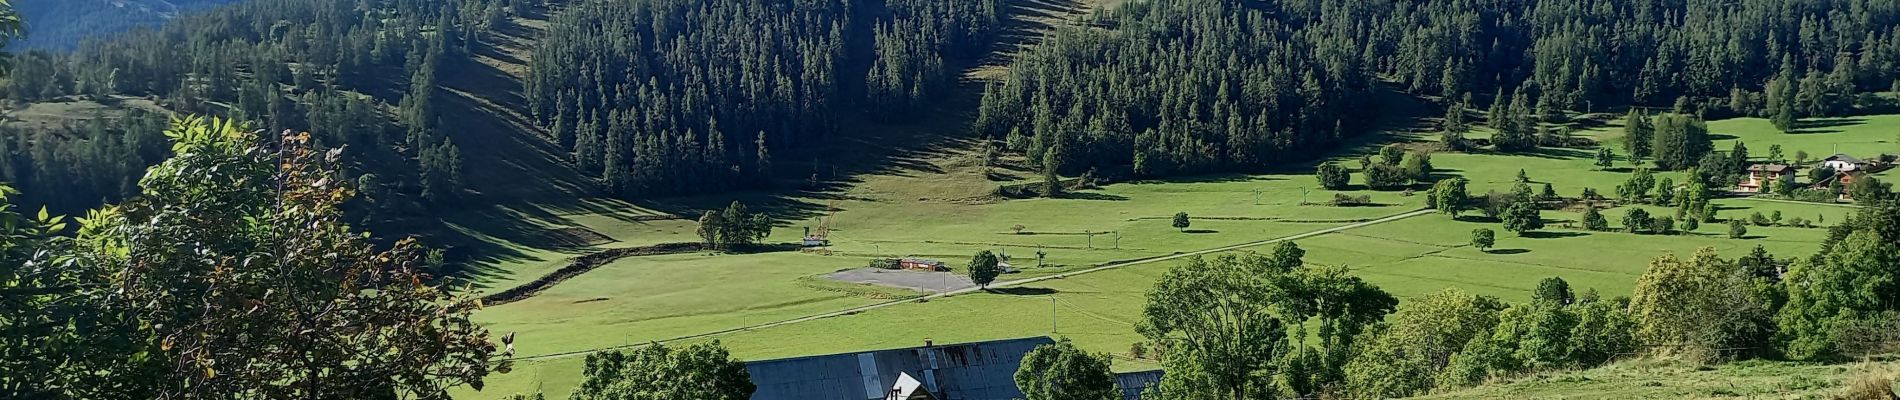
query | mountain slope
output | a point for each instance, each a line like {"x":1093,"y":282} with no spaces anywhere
{"x":63,"y":24}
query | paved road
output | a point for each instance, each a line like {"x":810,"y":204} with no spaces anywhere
{"x":1004,"y":284}
{"x":933,"y":282}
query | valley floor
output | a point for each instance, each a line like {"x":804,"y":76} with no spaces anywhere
{"x":937,"y":208}
{"x":932,"y":198}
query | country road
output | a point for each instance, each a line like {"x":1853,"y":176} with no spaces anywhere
{"x":1004,"y":284}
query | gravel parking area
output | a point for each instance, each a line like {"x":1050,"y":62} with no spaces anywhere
{"x":937,"y":282}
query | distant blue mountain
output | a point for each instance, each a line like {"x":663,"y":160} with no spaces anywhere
{"x":61,"y":24}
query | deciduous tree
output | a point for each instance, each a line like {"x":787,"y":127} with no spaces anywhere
{"x":1483,"y":239}
{"x":655,"y":371}
{"x":983,"y":268}
{"x":1062,"y":371}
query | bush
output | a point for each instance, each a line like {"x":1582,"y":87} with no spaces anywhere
{"x":1343,"y":200}
{"x":1799,"y":222}
{"x":1523,"y":218}
{"x":1591,"y":194}
{"x":1637,"y":221}
{"x":1593,"y":219}
{"x":1663,"y":225}
{"x":884,"y":263}
{"x":1333,"y":177}
{"x":1813,"y":195}
{"x":1387,"y":177}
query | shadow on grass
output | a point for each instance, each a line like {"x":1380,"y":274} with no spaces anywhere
{"x":1822,"y":126}
{"x":1506,"y":252}
{"x":1552,"y":235}
{"x":1199,"y":231}
{"x":1092,"y":196}
{"x":1023,"y":291}
{"x":1214,"y":178}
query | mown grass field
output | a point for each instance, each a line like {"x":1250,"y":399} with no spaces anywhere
{"x":942,"y":210}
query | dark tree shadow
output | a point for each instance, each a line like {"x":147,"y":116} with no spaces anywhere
{"x":1552,"y":235}
{"x":1092,"y":196}
{"x":1199,"y":231}
{"x":1023,"y":291}
{"x":1822,"y":126}
{"x":1507,"y":251}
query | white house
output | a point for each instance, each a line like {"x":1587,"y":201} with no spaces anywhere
{"x":1843,"y":163}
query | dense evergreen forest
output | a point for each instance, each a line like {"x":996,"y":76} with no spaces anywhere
{"x":665,"y":97}
{"x":363,"y":73}
{"x":1589,"y":55}
{"x":1182,"y":86}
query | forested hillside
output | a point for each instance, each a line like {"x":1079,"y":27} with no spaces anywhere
{"x":362,"y":73}
{"x":1174,"y":86}
{"x":1183,"y":86}
{"x":675,"y":96}
{"x":657,"y":98}
{"x":62,"y":24}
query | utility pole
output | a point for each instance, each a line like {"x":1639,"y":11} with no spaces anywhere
{"x":1052,"y":313}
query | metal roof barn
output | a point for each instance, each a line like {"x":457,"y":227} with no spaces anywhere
{"x":969,"y":371}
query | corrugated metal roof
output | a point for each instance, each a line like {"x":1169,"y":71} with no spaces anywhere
{"x":1133,"y":383}
{"x":968,"y":371}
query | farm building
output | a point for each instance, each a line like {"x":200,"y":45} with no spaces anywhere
{"x":968,"y":371}
{"x":1760,"y":175}
{"x":920,"y":264}
{"x":1848,"y":168}
{"x":1843,"y":163}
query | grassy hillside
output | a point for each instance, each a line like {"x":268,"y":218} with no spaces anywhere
{"x":1647,"y":379}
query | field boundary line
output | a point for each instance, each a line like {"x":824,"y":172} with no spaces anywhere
{"x":1855,"y":206}
{"x":1005,"y":284}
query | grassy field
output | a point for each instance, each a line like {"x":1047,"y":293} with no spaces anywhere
{"x":1647,"y":379}
{"x":930,"y":198}
{"x":942,"y":210}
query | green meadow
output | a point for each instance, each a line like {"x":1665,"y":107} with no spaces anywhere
{"x":946,"y":209}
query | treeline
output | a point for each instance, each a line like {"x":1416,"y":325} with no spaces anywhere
{"x":1185,"y":86}
{"x":1591,"y":55}
{"x":338,"y":68}
{"x":673,"y":96}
